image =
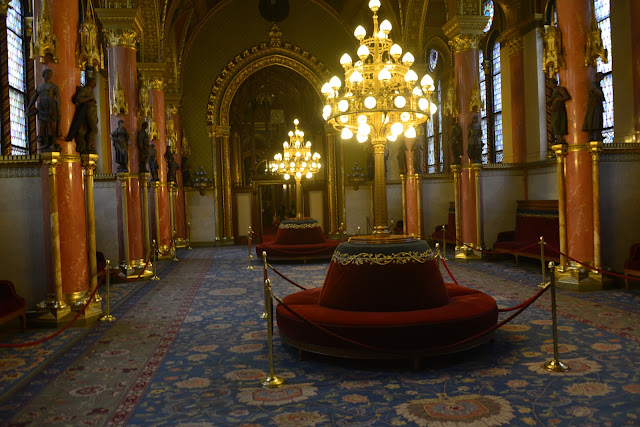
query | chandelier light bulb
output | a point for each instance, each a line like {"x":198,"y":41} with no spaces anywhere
{"x":297,"y":144}
{"x":335,"y":82}
{"x":433,"y":108}
{"x":346,"y":133}
{"x":395,"y":51}
{"x":313,"y":165}
{"x":344,"y":119}
{"x":282,"y":165}
{"x":345,"y":61}
{"x":326,"y":89}
{"x":408,"y":59}
{"x":278,"y":157}
{"x":356,"y":77}
{"x":296,"y":122}
{"x":411,"y":77}
{"x":326,"y":111}
{"x":392,"y":137}
{"x":298,"y":175}
{"x":363,"y":52}
{"x":360,"y":32}
{"x":423,"y":104}
{"x":309,"y":175}
{"x":364,"y":129}
{"x":370,"y":102}
{"x":343,"y":105}
{"x":292,"y":164}
{"x":362,"y":119}
{"x":382,"y":35}
{"x":316,"y":155}
{"x":417,"y":91}
{"x":384,"y":75}
{"x":362,"y":138}
{"x":298,"y":154}
{"x":410,"y":133}
{"x":400,"y":101}
{"x":397,"y":128}
{"x":405,"y":116}
{"x":385,"y":26}
{"x":290,"y":133}
{"x":285,"y":144}
{"x":286,"y":176}
{"x":374,"y":5}
{"x":308,"y":145}
{"x":427,"y":82}
{"x":286,"y":156}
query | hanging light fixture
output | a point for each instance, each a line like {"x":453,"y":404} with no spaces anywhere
{"x":380,"y":100}
{"x":296,"y":161}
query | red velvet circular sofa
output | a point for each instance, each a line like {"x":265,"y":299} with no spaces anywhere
{"x":298,"y":239}
{"x":385,"y":301}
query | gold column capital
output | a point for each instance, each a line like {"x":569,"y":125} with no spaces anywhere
{"x":89,"y":161}
{"x":173,"y":101}
{"x":560,"y":150}
{"x":122,"y":27}
{"x":595,"y":147}
{"x":456,"y":169}
{"x":221,"y":131}
{"x":154,"y":73}
{"x":477,"y":167}
{"x":465,"y":31}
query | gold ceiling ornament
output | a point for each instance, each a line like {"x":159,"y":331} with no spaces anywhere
{"x":475,"y":103}
{"x":450,"y":107}
{"x":119,"y":105}
{"x":89,"y":50}
{"x":553,"y":54}
{"x":122,"y":26}
{"x":296,"y":160}
{"x":46,"y":42}
{"x":515,"y":45}
{"x":379,"y":101}
{"x":594,"y":48}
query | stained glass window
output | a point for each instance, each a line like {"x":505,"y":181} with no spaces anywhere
{"x":17,"y":86}
{"x":603,"y":10}
{"x":483,"y":112}
{"x":487,"y":9}
{"x":497,"y":102}
{"x":433,"y":60}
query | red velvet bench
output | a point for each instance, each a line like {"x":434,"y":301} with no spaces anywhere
{"x":450,"y":226}
{"x":298,"y":239}
{"x":534,"y":218}
{"x":11,"y":304}
{"x":387,"y":303}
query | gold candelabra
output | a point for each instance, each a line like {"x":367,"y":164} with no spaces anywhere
{"x":356,"y":176}
{"x":379,"y":101}
{"x":201,"y":182}
{"x":296,"y":160}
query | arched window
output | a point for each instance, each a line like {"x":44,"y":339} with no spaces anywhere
{"x":603,"y":11}
{"x":491,"y":94}
{"x":17,"y":83}
{"x":435,"y":152}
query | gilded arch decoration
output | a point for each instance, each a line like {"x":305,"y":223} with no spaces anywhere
{"x":274,"y":52}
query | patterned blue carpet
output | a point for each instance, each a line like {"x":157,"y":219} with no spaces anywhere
{"x":191,"y":350}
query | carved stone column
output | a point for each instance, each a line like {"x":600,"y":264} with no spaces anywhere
{"x":122,"y":29}
{"x":221,"y":134}
{"x":174,"y":125}
{"x":330,"y":171}
{"x":464,"y":32}
{"x":154,"y":73}
{"x":635,"y":61}
{"x":413,"y":187}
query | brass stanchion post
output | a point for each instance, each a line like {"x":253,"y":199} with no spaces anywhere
{"x":542,"y":243}
{"x":155,"y":260}
{"x":271,"y":380}
{"x":250,"y":267}
{"x":108,"y":317}
{"x":342,"y":230}
{"x":554,"y":365}
{"x":189,"y":236}
{"x":444,"y":242}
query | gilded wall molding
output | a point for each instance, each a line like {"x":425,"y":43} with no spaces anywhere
{"x":553,"y":54}
{"x":45,"y":42}
{"x":465,"y":31}
{"x":463,"y":42}
{"x":89,"y":50}
{"x":19,"y":172}
{"x":154,"y":73}
{"x":122,"y":27}
{"x":515,"y":45}
{"x":119,"y":104}
{"x":273,"y":52}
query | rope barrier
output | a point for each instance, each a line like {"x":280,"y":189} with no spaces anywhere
{"x":449,"y":271}
{"x":493,"y":252}
{"x":64,"y":328}
{"x":286,"y":278}
{"x":609,"y":273}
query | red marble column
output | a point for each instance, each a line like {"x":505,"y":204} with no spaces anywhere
{"x":573,"y":22}
{"x":466,"y":68}
{"x":635,"y":71}
{"x":518,"y":110}
{"x":158,"y":105}
{"x":70,"y":194}
{"x":181,"y":222}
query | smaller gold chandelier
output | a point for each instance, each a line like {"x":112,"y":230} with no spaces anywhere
{"x":296,"y":160}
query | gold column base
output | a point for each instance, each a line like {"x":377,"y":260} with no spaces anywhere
{"x":182,"y":243}
{"x":50,"y":314}
{"x":272,"y":381}
{"x":225,"y":241}
{"x":578,"y":278}
{"x":466,"y":252}
{"x":168,"y":251}
{"x":135,"y":270}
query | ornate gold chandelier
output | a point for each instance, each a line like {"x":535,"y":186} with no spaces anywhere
{"x":380,"y":101}
{"x":296,"y":160}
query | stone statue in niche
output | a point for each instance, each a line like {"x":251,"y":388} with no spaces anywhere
{"x":416,"y":153}
{"x":474,"y":140}
{"x":456,"y":142}
{"x":143,"y":147}
{"x":47,"y":110}
{"x":558,"y":121}
{"x":172,"y":165}
{"x":120,"y":138}
{"x":153,"y":163}
{"x":402,"y":159}
{"x":186,"y":171}
{"x":593,"y":121}
{"x":84,"y":125}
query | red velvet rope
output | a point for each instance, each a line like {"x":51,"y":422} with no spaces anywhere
{"x":257,"y":234}
{"x":65,"y":327}
{"x":493,"y":252}
{"x":141,"y":273}
{"x":609,"y":273}
{"x":416,"y":351}
{"x":449,"y":271}
{"x":286,"y":278}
